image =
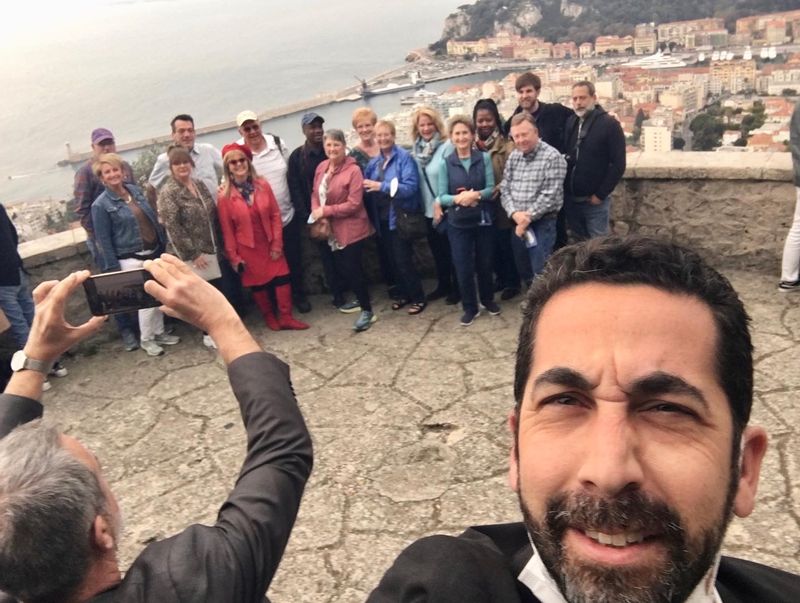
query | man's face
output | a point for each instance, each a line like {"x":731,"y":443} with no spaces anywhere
{"x":104,"y":146}
{"x":525,"y":136}
{"x":314,"y":132}
{"x":251,"y":132}
{"x":183,"y":134}
{"x":80,"y":452}
{"x":582,"y":101}
{"x":527,"y":96}
{"x":623,"y":464}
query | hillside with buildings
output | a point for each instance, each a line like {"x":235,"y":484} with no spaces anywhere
{"x":584,"y":20}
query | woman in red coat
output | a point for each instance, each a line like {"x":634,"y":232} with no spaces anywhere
{"x":251,"y":227}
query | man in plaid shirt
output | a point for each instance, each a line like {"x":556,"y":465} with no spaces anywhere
{"x":532,"y":192}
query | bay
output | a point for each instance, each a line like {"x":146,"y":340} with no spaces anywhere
{"x":130,"y":66}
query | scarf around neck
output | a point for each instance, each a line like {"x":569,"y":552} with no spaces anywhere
{"x":486,"y":145}
{"x":246,"y":188}
{"x":424,"y":149}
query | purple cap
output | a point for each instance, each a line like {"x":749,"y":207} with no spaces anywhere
{"x":309,"y":118}
{"x":101,"y":134}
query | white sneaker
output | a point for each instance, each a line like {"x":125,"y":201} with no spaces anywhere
{"x":167,"y":339}
{"x":58,"y":370}
{"x":208,"y":342}
{"x":46,"y":385}
{"x":152,"y":348}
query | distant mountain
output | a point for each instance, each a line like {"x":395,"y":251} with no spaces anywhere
{"x":584,"y":20}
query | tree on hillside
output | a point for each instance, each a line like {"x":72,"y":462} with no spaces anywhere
{"x":143,"y":165}
{"x":707,"y":132}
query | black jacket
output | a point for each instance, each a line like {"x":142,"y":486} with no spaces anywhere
{"x":596,"y":162}
{"x":302,"y":166}
{"x":551,"y":118}
{"x":10,"y":262}
{"x":235,"y":559}
{"x":482,"y":565}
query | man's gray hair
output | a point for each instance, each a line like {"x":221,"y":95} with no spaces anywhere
{"x":48,"y":502}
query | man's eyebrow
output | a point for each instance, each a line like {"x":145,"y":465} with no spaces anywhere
{"x":566,"y":377}
{"x":659,"y":382}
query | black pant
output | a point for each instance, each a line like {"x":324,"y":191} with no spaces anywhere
{"x":505,"y":266}
{"x":561,"y":229}
{"x":292,"y":250}
{"x":407,"y":275}
{"x":333,"y":279}
{"x":472,"y":253}
{"x":385,"y":255}
{"x":442,"y":260}
{"x":348,"y":263}
{"x":231,"y":285}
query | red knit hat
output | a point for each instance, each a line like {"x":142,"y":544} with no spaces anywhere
{"x":237,"y":147}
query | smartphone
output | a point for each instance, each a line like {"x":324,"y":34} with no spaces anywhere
{"x":117,"y":292}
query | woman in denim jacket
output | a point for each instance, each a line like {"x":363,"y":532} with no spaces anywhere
{"x":128,"y":233}
{"x":393,"y":179}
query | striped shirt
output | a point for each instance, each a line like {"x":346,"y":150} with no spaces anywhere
{"x":534,"y":182}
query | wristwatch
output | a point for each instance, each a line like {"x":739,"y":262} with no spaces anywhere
{"x":21,"y":362}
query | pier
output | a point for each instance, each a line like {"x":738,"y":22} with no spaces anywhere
{"x":351,"y":93}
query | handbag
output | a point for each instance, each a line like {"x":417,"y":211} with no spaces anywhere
{"x":320,"y":230}
{"x":410,"y":225}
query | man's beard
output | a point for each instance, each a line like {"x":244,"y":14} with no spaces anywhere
{"x":688,"y":558}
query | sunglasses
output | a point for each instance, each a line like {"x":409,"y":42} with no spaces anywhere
{"x":243,"y":160}
{"x":251,"y":128}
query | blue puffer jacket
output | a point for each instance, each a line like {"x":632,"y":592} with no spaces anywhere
{"x":402,"y":166}
{"x":116,"y":230}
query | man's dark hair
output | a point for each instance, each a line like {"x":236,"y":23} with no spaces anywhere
{"x":181,"y":117}
{"x":528,"y":79}
{"x":487,"y":104}
{"x":585,"y":84}
{"x":639,"y":260}
{"x":48,"y":502}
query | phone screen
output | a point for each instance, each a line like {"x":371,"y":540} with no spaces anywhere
{"x":116,"y":292}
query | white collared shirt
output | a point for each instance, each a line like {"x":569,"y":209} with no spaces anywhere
{"x":538,"y":580}
{"x":207,"y":160}
{"x":271,"y":165}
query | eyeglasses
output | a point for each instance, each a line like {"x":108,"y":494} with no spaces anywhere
{"x":243,"y":160}
{"x":251,"y":128}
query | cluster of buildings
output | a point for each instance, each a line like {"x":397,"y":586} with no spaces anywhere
{"x":770,"y":29}
{"x":36,"y":219}
{"x":654,"y":105}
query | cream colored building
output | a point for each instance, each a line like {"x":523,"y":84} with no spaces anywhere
{"x":732,"y":76}
{"x":656,"y":137}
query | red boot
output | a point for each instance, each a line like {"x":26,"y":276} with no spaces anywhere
{"x":285,"y":318}
{"x":261,"y":297}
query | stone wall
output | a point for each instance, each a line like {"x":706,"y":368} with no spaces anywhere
{"x":734,"y":207}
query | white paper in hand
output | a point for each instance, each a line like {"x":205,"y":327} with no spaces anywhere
{"x":393,"y":186}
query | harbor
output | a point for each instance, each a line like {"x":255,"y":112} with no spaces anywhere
{"x":411,"y":76}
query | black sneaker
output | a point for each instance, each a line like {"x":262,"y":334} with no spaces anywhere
{"x":508,"y":293}
{"x":302,"y":305}
{"x":58,"y":370}
{"x":492,"y":308}
{"x":787,"y":286}
{"x":452,"y":299}
{"x":469,"y":317}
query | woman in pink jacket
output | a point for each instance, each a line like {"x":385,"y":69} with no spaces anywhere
{"x":251,"y":227}
{"x":337,"y":196}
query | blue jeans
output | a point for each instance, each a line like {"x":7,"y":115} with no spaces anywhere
{"x":473,"y":252}
{"x":17,"y":304}
{"x":586,"y":220}
{"x":531,"y":260}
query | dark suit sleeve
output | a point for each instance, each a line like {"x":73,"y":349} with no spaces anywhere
{"x":615,"y":138}
{"x":235,"y":559}
{"x":294,"y":177}
{"x":740,"y":581}
{"x":16,"y":410}
{"x":444,"y":569}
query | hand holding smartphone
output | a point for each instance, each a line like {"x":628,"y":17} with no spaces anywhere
{"x":118,"y":292}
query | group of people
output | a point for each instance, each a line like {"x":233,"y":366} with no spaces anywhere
{"x":493,"y":199}
{"x":614,"y":424}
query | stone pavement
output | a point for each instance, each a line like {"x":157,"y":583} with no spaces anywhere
{"x":408,"y":421}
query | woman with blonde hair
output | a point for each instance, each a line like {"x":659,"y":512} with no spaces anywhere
{"x":253,"y":235}
{"x":127,"y":232}
{"x":430,"y":148}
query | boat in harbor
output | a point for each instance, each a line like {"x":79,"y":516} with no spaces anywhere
{"x":420,"y":96}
